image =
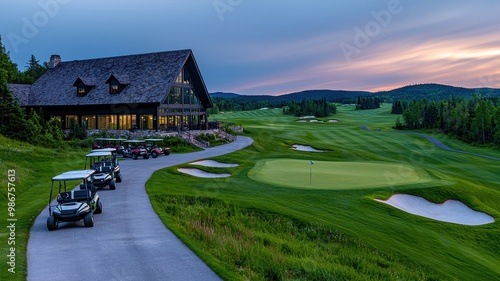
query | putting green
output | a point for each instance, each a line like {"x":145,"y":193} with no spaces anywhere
{"x":334,"y":175}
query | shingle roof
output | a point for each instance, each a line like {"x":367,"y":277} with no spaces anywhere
{"x":149,"y":77}
{"x":21,"y":92}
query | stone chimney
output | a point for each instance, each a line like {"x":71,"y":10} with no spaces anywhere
{"x":54,"y":60}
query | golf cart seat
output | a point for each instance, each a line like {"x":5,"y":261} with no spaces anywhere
{"x":73,"y":196}
{"x":106,"y":167}
{"x":88,"y":186}
{"x":81,"y":195}
{"x":64,"y":197}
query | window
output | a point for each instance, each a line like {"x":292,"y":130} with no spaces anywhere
{"x":175,"y":95}
{"x":186,"y":95}
{"x":186,"y":79}
{"x":89,"y":122}
{"x":146,"y":122}
{"x":195,"y":98}
{"x":179,"y":78}
{"x":114,"y":89}
{"x":107,"y":122}
{"x":81,"y":91}
{"x":70,"y":120}
{"x":127,"y":122}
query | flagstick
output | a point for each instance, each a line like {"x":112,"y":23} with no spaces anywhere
{"x":310,"y":174}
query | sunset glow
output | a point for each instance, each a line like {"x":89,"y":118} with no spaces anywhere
{"x":262,"y":47}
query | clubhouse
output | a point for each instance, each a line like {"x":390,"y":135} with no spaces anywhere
{"x":155,"y":91}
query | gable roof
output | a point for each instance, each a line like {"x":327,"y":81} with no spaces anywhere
{"x":21,"y":92}
{"x":148,"y":76}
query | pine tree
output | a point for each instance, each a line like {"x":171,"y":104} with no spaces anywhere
{"x":12,"y":117}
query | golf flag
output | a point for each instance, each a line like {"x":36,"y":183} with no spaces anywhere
{"x":312,"y":163}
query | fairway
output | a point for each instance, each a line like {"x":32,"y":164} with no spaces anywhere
{"x":333,"y":174}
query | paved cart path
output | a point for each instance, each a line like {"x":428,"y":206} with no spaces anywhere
{"x":128,"y":240}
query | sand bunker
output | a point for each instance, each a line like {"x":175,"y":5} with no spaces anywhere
{"x":202,"y":174}
{"x":305,"y":148}
{"x":450,"y":211}
{"x":333,"y":121}
{"x":307,"y":117}
{"x":215,"y":164}
{"x":314,"y":120}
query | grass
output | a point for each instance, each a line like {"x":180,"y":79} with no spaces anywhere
{"x":333,"y":174}
{"x":261,"y":230}
{"x":34,"y":167}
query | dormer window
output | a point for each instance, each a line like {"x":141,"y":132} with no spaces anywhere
{"x":81,"y":92}
{"x":117,"y":83}
{"x":83,"y":86}
{"x":114,"y":89}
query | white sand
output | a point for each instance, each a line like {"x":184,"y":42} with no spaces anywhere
{"x":333,"y":121}
{"x":212,"y":163}
{"x":307,"y":117}
{"x":450,"y":211}
{"x":305,"y":148}
{"x":264,"y":108}
{"x":202,"y":174}
{"x":314,"y":120}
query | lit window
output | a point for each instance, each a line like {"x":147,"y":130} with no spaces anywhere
{"x":81,"y":91}
{"x":114,"y":89}
{"x":179,"y":78}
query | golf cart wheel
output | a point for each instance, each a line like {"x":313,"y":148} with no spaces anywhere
{"x":119,"y":178}
{"x":134,"y":156}
{"x":146,"y":156}
{"x":154,"y":154}
{"x":51,"y":223}
{"x":88,"y":220}
{"x":98,"y":208}
{"x":112,"y":185}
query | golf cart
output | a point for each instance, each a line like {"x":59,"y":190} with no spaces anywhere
{"x":152,"y":147}
{"x":134,"y":149}
{"x":105,"y":167}
{"x":107,"y":143}
{"x":114,"y":160}
{"x":74,"y":205}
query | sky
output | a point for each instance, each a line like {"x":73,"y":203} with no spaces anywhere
{"x":259,"y":47}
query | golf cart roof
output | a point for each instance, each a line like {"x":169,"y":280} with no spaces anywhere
{"x":134,"y":141}
{"x":99,"y":154}
{"x":109,"y":139}
{"x":74,"y":175}
{"x":153,"y":140}
{"x":109,"y":149}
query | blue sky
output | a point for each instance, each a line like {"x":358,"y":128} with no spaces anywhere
{"x":274,"y":47}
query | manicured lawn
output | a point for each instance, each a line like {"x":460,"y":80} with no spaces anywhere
{"x":333,"y":174}
{"x":262,"y":230}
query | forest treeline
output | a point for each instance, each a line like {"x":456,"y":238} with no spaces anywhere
{"x":368,"y":103}
{"x":15,"y":122}
{"x":475,"y":120}
{"x":318,"y":108}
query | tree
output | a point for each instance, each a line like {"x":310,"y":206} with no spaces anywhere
{"x":12,"y":117}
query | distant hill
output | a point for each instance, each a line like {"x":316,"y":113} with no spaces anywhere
{"x":419,"y":91}
{"x":330,"y":95}
{"x":434,"y":92}
{"x":224,"y":95}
